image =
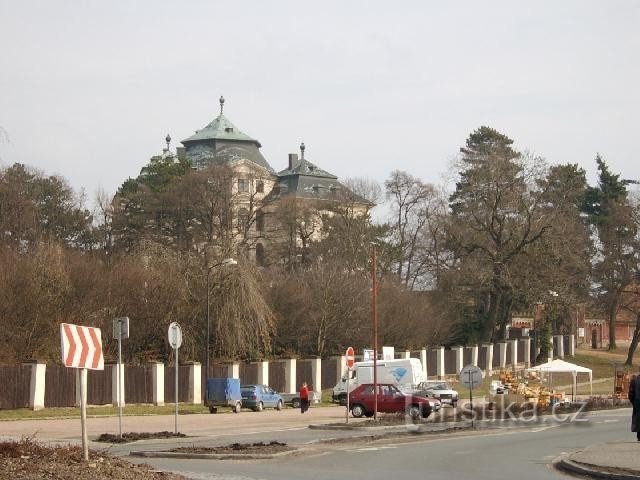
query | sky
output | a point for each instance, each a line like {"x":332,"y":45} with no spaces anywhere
{"x":89,"y":89}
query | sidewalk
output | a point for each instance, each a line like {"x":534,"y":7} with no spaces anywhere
{"x":620,"y":460}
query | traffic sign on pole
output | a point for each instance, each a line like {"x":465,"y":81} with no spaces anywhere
{"x":175,"y":340}
{"x":351,"y":357}
{"x":81,"y":347}
{"x":471,"y":377}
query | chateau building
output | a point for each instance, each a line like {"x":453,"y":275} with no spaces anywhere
{"x":274,"y":208}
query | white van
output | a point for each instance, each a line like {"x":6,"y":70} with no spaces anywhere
{"x":406,"y":372}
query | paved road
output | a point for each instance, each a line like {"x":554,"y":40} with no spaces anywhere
{"x":521,"y":454}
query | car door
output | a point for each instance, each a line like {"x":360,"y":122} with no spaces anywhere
{"x":394,"y":399}
{"x":267,"y":396}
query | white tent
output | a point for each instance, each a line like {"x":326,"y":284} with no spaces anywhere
{"x":560,"y":366}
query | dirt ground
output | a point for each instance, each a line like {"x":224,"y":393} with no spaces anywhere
{"x":29,"y":460}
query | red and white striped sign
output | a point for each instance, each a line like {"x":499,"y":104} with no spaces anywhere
{"x":351,"y":357}
{"x":81,"y":347}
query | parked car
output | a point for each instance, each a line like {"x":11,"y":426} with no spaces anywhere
{"x":259,"y":397}
{"x":438,"y":389}
{"x":390,"y":400}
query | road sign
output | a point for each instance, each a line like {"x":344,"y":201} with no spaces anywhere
{"x":367,"y":354}
{"x":81,"y":347}
{"x":120,"y":328}
{"x":351,"y":357}
{"x":471,"y":377}
{"x":175,"y":335}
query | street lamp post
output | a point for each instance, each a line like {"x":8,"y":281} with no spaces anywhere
{"x":374,"y":319}
{"x":226,"y":261}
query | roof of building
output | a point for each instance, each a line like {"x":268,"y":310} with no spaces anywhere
{"x":221,"y":128}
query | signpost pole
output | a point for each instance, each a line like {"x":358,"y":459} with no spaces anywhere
{"x":471,"y":398}
{"x":176,"y":422}
{"x":83,"y":413}
{"x":118,"y":378}
{"x":348,"y":376}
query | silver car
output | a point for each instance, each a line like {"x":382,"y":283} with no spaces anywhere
{"x":438,"y":389}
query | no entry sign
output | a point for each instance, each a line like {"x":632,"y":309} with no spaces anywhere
{"x":81,"y":347}
{"x":351,"y":357}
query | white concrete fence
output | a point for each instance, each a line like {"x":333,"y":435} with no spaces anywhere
{"x":503,"y":355}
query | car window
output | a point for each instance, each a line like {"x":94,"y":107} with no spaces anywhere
{"x":368,"y":390}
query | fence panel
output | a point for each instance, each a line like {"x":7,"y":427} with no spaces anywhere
{"x":99,"y":385}
{"x":276,"y":376}
{"x":432,"y":363}
{"x":566,"y":339}
{"x":508,"y":353}
{"x":60,"y":386}
{"x":329,"y":372}
{"x":183,"y":383}
{"x":521,"y":353}
{"x":303,"y":373}
{"x":138,"y":384}
{"x":450,"y":367}
{"x":496,"y":356}
{"x":248,"y":373}
{"x":15,"y":381}
{"x":482,"y":357}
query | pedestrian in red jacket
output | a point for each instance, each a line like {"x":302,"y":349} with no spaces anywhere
{"x":304,"y":398}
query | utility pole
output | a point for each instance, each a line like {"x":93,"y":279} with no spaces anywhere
{"x":374,"y":319}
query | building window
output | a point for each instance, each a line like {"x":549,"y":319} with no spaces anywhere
{"x":243,"y":185}
{"x":259,"y":186}
{"x":259,"y":221}
{"x":243,"y":218}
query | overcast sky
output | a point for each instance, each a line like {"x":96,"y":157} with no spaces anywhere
{"x":89,"y":89}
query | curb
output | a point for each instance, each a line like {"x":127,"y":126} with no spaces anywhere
{"x":210,"y":456}
{"x":566,"y":464}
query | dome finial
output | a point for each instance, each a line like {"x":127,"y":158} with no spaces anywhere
{"x":168,"y":140}
{"x":302,"y":147}
{"x":221,"y":104}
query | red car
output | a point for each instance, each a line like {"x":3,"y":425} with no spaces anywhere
{"x":390,"y":400}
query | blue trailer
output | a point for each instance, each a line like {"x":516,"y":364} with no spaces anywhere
{"x":223,"y":392}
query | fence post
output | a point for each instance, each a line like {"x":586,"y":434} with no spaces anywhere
{"x":342,"y":367}
{"x":572,"y":345}
{"x":459,"y":358}
{"x":560,"y":341}
{"x":115,"y":388}
{"x":263,"y":372}
{"x":157,"y":373}
{"x":526,"y":348}
{"x":423,"y":359}
{"x":36,"y":384}
{"x":502,"y":346}
{"x":440,"y":363}
{"x":290,"y":375}
{"x":489,"y":358}
{"x":316,"y":377}
{"x":195,"y":383}
{"x":474,"y":355}
{"x":514,"y":353}
{"x":233,"y":370}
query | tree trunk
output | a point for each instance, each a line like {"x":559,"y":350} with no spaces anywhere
{"x":634,"y":342}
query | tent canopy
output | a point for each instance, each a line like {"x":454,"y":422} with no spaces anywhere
{"x":560,"y":366}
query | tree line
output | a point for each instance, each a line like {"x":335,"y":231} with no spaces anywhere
{"x":454,"y":262}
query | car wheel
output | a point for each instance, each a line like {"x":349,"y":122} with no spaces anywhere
{"x":357,"y":410}
{"x":368,"y":414}
{"x":279,"y":405}
{"x":454,"y":403}
{"x":426,"y":411}
{"x":213,"y":410}
{"x":237,"y":407}
{"x":295,"y":403}
{"x":342,"y":399}
{"x":260,"y":407}
{"x":414,"y":411}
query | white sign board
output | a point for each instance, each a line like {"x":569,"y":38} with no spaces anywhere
{"x":367,"y":354}
{"x":581,"y":332}
{"x":175,"y":335}
{"x":471,"y":377}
